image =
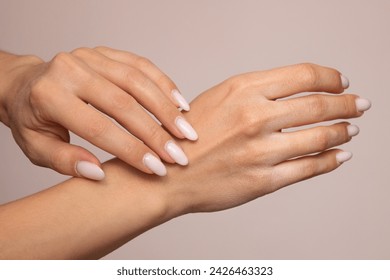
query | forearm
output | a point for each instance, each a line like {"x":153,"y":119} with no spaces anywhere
{"x":12,"y":71}
{"x":82,"y":219}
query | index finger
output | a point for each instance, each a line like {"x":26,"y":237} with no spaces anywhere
{"x":166,"y":85}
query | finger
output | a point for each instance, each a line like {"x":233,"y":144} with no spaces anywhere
{"x":116,"y":103}
{"x":317,"y":108}
{"x":166,"y":85}
{"x":94,"y":127}
{"x":51,"y":151}
{"x":127,"y":111}
{"x":293,"y":171}
{"x":135,"y":119}
{"x":306,"y":77}
{"x":139,"y":86}
{"x":313,"y":140}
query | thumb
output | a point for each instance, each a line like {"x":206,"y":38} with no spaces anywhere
{"x":53,"y":152}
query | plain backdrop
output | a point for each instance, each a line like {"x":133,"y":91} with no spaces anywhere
{"x":342,"y":215}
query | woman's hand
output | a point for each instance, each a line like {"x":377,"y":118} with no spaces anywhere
{"x":242,"y":152}
{"x":44,"y":101}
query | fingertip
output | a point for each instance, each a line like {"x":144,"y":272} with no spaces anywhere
{"x":362,"y":104}
{"x":186,"y":129}
{"x":352,"y":130}
{"x":343,"y":156}
{"x":344,"y":81}
{"x":176,"y":153}
{"x":154,"y":164}
{"x":180,"y":100}
{"x":89,"y":170}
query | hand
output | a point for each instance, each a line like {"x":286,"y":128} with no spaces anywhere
{"x":46,"y":100}
{"x":243,"y":153}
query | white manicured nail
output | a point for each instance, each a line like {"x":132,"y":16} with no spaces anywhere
{"x":89,"y":170}
{"x":353,"y":130}
{"x":344,"y":81}
{"x":176,"y":153}
{"x":343,"y":157}
{"x":185,"y":128}
{"x":362,"y":104}
{"x":180,"y":100}
{"x":154,"y":164}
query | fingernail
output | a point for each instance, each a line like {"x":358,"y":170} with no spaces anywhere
{"x":362,"y":104}
{"x":180,"y":100}
{"x":89,"y":170}
{"x":344,"y":81}
{"x":176,"y":153}
{"x":154,"y":164}
{"x":343,"y":157}
{"x":353,"y":130}
{"x":185,"y":128}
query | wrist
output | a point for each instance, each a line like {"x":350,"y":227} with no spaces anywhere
{"x":13,"y":73}
{"x":150,"y":193}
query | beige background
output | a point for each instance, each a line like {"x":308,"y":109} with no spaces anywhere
{"x":199,"y":43}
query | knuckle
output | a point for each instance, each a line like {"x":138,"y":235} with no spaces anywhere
{"x":101,"y":48}
{"x":318,"y":106}
{"x":131,"y":74}
{"x":165,"y":113}
{"x":81,"y":52}
{"x":236,"y":83}
{"x":142,"y":62}
{"x":345,"y":105}
{"x":154,"y":133}
{"x":348,"y":105}
{"x":129,"y":148}
{"x":168,"y":110}
{"x":98,"y":128}
{"x":61,"y":58}
{"x":38,"y":89}
{"x":253,"y":115}
{"x":324,"y":138}
{"x":122,"y":101}
{"x":339,"y":133}
{"x":133,"y":151}
{"x":134,"y":76}
{"x":249,"y":122}
{"x":326,"y":164}
{"x":40,"y":93}
{"x":311,"y":168}
{"x":64,"y":67}
{"x":164,"y":80}
{"x":308,"y":74}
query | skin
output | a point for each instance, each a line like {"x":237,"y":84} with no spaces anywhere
{"x":42,"y":101}
{"x":242,"y":154}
